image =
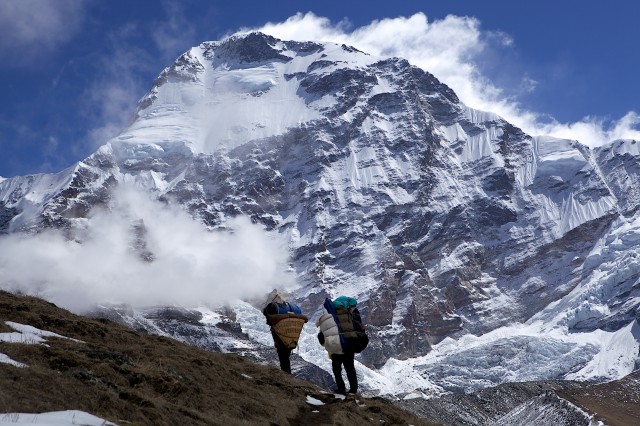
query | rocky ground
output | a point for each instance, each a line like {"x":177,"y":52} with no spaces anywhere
{"x":616,"y":403}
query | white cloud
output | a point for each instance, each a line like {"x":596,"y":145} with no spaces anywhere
{"x":191,"y":266}
{"x":30,"y":29}
{"x":175,"y":34}
{"x":450,"y":49}
{"x":528,"y":84}
{"x":595,"y":131}
{"x":116,"y":87}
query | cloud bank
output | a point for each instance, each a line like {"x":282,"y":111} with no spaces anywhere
{"x":105,"y":262}
{"x":451,"y":50}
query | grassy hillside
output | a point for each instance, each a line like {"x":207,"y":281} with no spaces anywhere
{"x":132,"y":378}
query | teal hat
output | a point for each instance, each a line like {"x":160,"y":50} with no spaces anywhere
{"x":345,"y":302}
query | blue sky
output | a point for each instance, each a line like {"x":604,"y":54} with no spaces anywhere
{"x":71,"y":71}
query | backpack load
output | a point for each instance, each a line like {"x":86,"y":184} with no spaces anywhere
{"x":345,"y":302}
{"x":353,"y":336}
{"x":286,"y":321}
{"x":286,"y":307}
{"x":289,"y":328}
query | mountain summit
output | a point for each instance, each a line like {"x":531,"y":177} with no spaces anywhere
{"x":478,"y":254}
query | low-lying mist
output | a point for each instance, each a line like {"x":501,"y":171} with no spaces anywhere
{"x":145,"y":253}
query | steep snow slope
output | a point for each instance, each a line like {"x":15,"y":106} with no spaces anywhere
{"x":479,"y":254}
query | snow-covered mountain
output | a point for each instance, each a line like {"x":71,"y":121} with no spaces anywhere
{"x":479,"y":254}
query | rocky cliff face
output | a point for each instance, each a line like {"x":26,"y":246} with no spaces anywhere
{"x":442,"y":220}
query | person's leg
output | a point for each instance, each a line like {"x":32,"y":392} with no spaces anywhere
{"x":350,"y":369}
{"x":336,"y":365}
{"x":284,"y":355}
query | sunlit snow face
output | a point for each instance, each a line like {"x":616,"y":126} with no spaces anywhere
{"x":247,"y":104}
{"x":219,"y":103}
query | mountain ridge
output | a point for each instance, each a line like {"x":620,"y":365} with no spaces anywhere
{"x":444,"y":221}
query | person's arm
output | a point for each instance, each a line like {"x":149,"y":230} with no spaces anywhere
{"x":268,"y":311}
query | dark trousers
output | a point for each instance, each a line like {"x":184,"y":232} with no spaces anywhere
{"x":284,"y":355}
{"x":337,"y":361}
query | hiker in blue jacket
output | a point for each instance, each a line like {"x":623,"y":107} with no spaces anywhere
{"x":286,"y":321}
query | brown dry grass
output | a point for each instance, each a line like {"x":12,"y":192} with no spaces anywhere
{"x":616,"y":403}
{"x":134,"y":378}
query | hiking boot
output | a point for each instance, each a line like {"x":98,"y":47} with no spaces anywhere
{"x":353,"y":391}
{"x":340,"y":391}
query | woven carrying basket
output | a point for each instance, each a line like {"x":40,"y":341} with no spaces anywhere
{"x":288,"y":330}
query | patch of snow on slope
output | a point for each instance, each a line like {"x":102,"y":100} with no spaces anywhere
{"x":4,"y":359}
{"x":28,"y":334}
{"x":55,"y":418}
{"x":209,"y":317}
